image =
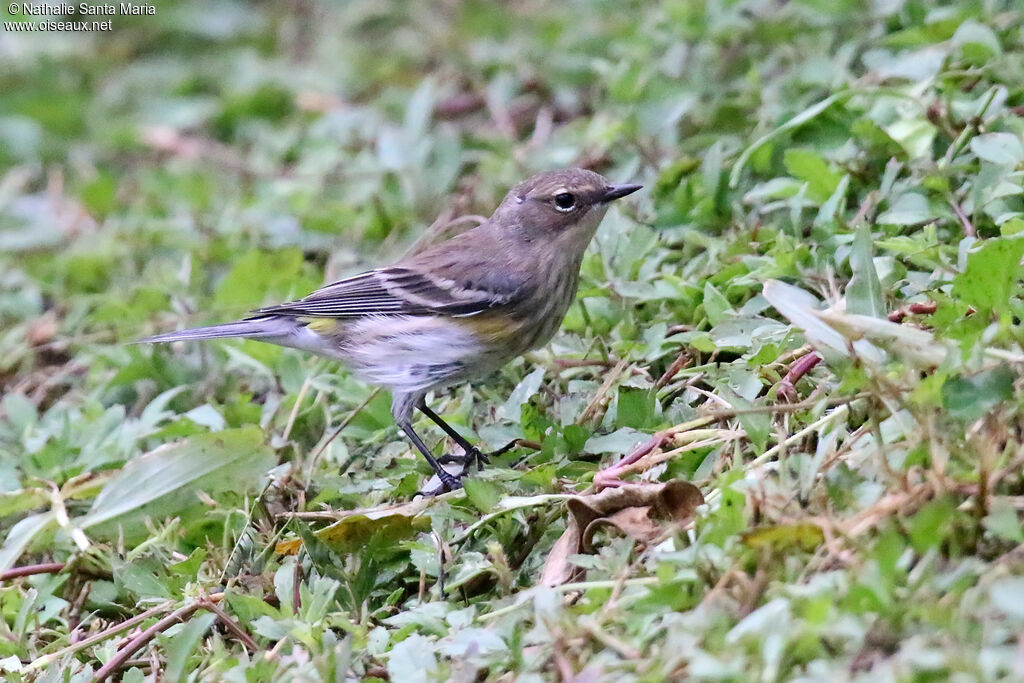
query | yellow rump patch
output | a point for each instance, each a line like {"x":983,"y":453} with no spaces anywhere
{"x":322,"y":325}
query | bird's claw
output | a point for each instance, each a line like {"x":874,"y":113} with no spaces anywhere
{"x":472,"y":456}
{"x":446,"y":482}
{"x":467,"y":460}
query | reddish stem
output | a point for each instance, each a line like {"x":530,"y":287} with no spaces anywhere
{"x":920,"y":308}
{"x":799,"y":368}
{"x":609,"y":476}
{"x":136,"y":643}
{"x":32,"y":569}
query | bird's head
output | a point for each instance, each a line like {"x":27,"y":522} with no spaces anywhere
{"x":569,"y":202}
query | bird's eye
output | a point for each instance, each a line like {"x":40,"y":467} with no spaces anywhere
{"x":565,"y":201}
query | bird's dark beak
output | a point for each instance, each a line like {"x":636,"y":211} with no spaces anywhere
{"x":618,"y":191}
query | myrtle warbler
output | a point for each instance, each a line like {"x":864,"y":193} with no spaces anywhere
{"x":454,"y":311}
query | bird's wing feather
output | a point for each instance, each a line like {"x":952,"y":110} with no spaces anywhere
{"x":396,"y":290}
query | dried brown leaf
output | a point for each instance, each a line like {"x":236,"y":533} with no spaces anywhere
{"x":557,"y":568}
{"x":634,"y":522}
{"x":641,"y":511}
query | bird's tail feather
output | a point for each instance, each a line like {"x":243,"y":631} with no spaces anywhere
{"x":253,"y":328}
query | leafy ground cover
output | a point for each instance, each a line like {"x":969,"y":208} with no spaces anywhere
{"x":805,"y":334}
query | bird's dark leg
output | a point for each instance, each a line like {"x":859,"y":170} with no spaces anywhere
{"x":472,"y":453}
{"x":449,"y":482}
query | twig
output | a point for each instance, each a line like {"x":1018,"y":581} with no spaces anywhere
{"x":594,"y":629}
{"x":232,"y":625}
{"x":526,"y":596}
{"x":790,"y":356}
{"x":566,"y":674}
{"x":601,"y":397}
{"x":459,"y":104}
{"x":295,"y":408}
{"x":138,"y":642}
{"x":562,"y":363}
{"x":31,"y":570}
{"x":272,"y":653}
{"x":964,"y":220}
{"x":865,"y":208}
{"x":920,"y":308}
{"x":46,"y":660}
{"x":681,"y":361}
{"x":660,"y":438}
{"x":753,"y":465}
{"x":610,"y":477}
{"x":788,"y":407}
{"x":509,"y":505}
{"x":75,"y":613}
{"x":841,"y":411}
{"x":344,"y":423}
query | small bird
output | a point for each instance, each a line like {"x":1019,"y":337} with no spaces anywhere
{"x":452,"y":312}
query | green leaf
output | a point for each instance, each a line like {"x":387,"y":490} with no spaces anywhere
{"x":182,"y":644}
{"x":511,"y":410}
{"x":1004,"y":149}
{"x":800,"y":119}
{"x":932,"y":523}
{"x":257,"y":275}
{"x":1012,"y":227}
{"x":386,"y":525}
{"x":413,"y":660}
{"x":22,"y":500}
{"x":233,"y":459}
{"x":977,"y":40}
{"x":834,"y":205}
{"x":811,"y":167}
{"x":21,"y":535}
{"x":620,"y":441}
{"x":190,"y":565}
{"x":968,"y":398}
{"x":635,"y":407}
{"x":483,"y":494}
{"x":19,"y":411}
{"x":419,"y":109}
{"x":991,"y":274}
{"x":757,"y":425}
{"x":142,"y":579}
{"x":248,"y":608}
{"x":716,"y":306}
{"x":1003,"y":521}
{"x":914,"y":135}
{"x":864,"y":293}
{"x":907,"y":209}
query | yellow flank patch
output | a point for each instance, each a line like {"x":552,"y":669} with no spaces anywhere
{"x":492,"y":327}
{"x":322,"y":325}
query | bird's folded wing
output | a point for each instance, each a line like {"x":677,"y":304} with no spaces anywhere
{"x":394,"y":291}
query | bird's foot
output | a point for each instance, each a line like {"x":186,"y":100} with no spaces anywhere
{"x":443,"y":481}
{"x":473,"y":456}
